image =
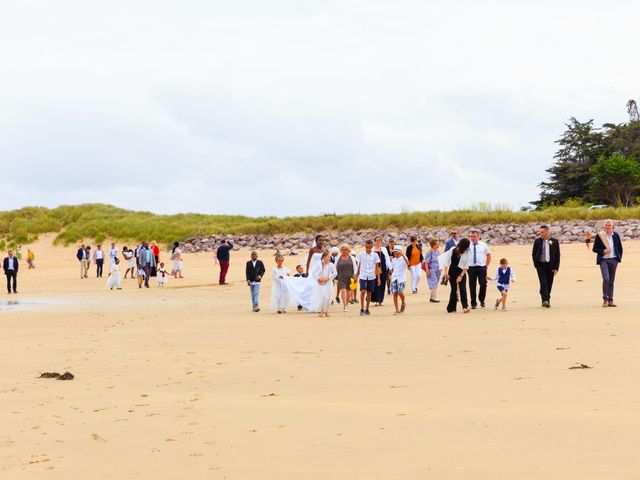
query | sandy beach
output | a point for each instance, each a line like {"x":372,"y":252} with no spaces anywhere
{"x":186,"y":382}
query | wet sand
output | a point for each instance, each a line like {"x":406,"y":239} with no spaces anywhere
{"x":186,"y":382}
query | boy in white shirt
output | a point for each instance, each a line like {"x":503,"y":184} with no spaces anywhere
{"x":368,"y":274}
{"x":399,"y":266}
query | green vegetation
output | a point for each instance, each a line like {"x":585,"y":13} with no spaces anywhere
{"x":597,"y":165}
{"x":98,"y":222}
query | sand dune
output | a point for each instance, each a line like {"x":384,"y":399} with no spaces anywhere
{"x":187,"y":382}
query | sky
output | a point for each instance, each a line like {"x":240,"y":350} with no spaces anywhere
{"x":286,"y":107}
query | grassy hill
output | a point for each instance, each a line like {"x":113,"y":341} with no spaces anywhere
{"x":98,"y":222}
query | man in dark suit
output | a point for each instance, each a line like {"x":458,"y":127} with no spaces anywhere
{"x":608,"y":247}
{"x":83,"y":257}
{"x":10,"y":267}
{"x":546,"y":259}
{"x":452,"y":241}
{"x":254,"y":273}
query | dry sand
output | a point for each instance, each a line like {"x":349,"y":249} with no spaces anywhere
{"x":187,"y":382}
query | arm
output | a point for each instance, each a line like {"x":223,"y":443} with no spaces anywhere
{"x":247,"y":272}
{"x":598,"y":246}
{"x":488,"y":259}
{"x":309,"y":260}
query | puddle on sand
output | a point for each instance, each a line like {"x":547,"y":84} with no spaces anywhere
{"x":26,"y":304}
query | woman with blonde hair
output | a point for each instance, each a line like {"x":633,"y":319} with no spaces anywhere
{"x":346,"y":272}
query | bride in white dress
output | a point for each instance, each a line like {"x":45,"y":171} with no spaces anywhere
{"x":302,"y":289}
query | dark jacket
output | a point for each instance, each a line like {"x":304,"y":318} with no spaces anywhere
{"x":450,"y":243}
{"x":222,"y":254}
{"x":254,"y":272}
{"x":554,"y":253}
{"x":598,"y":247}
{"x":5,"y":265}
{"x":79,"y":254}
{"x":410,"y":249}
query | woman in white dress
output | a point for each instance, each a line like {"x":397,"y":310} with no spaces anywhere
{"x":114,"y":279}
{"x":302,"y":289}
{"x":280,"y":297}
{"x":323,"y":275}
{"x":128,"y":255}
{"x":176,"y":257}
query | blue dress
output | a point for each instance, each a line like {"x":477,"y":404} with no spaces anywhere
{"x":431,"y":259}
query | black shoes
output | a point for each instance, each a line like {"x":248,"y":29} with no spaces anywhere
{"x":546,"y":304}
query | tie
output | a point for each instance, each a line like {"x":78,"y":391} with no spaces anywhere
{"x":475,"y":257}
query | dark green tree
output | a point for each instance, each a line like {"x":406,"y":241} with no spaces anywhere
{"x":580,"y":147}
{"x":615,"y":180}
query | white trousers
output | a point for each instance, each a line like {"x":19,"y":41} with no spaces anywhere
{"x":415,"y":276}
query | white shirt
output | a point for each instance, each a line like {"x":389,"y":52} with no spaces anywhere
{"x":399,"y":269}
{"x":11,"y":264}
{"x":479,"y":253}
{"x":612,"y":254}
{"x":113,"y":253}
{"x":98,"y":254}
{"x":368,"y":262}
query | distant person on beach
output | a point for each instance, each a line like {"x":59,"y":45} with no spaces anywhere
{"x":546,"y":259}
{"x":399,"y":267}
{"x":377,"y":297}
{"x":98,"y":259}
{"x":432,"y":269}
{"x":335,"y":253}
{"x":480,"y":261}
{"x":608,"y":247}
{"x":142,"y":277}
{"x":129,"y":257}
{"x":83,"y":257}
{"x":503,"y":278}
{"x":280,"y":296}
{"x":114,"y":279}
{"x":223,"y":257}
{"x":586,"y":234}
{"x":414,"y":254}
{"x":30,"y":259}
{"x":113,"y":253}
{"x":146,"y":262}
{"x":163,"y":275}
{"x":155,"y":250}
{"x":455,"y":264}
{"x":323,"y":274}
{"x":254,"y":272}
{"x":368,"y":274}
{"x":176,"y":258}
{"x":346,"y":271}
{"x":389,"y":247}
{"x":452,"y":241}
{"x":10,"y":265}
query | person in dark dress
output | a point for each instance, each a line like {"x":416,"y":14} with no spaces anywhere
{"x":457,"y":272}
{"x":377,"y":297}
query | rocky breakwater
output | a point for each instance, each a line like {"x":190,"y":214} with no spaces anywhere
{"x":494,"y":234}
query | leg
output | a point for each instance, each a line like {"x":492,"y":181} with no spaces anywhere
{"x":604,"y":270}
{"x":542,"y":279}
{"x":8,"y":282}
{"x":15,"y":282}
{"x":613,"y":266}
{"x":395,"y":302}
{"x":147,"y":271}
{"x":453,"y":295}
{"x":462,"y":286}
{"x":550,"y":279}
{"x":473,"y":277}
{"x":482,"y":280}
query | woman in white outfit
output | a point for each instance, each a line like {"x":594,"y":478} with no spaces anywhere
{"x":303,"y":289}
{"x":114,"y":279}
{"x":323,"y":275}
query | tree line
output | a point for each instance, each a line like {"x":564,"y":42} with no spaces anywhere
{"x":596,"y":165}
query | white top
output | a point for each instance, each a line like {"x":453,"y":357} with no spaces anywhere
{"x":368,"y":262}
{"x":328,"y":270}
{"x":113,"y":253}
{"x":612,"y":246}
{"x":479,"y":253}
{"x":114,"y":268}
{"x":279,"y":272}
{"x":98,"y":254}
{"x":399,"y":266}
{"x":444,"y":260}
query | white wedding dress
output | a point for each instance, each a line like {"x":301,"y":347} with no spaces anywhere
{"x":302,"y":289}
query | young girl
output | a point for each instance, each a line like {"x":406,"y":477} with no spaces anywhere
{"x":128,"y":255}
{"x":399,"y":266}
{"x":113,"y":280}
{"x":432,"y":268}
{"x":504,"y":275}
{"x":163,"y":275}
{"x":176,"y":256}
{"x":280,"y":297}
{"x":323,"y":274}
{"x":141,"y":276}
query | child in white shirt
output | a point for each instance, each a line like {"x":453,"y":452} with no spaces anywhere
{"x":399,"y":266}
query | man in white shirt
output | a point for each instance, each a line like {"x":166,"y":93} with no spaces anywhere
{"x":113,"y":254}
{"x":478,"y":265}
{"x":98,"y":259}
{"x":368,"y":275}
{"x":10,"y":267}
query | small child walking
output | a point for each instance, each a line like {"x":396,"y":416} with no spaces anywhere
{"x":280,"y":297}
{"x":163,"y":275}
{"x":114,"y":279}
{"x":141,"y":276}
{"x":503,"y":278}
{"x":399,"y":266}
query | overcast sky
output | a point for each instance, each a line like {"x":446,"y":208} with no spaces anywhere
{"x":286,"y":107}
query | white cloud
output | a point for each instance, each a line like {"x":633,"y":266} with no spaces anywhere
{"x":298,"y":107}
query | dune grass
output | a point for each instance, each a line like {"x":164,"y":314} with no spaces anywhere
{"x":98,"y":222}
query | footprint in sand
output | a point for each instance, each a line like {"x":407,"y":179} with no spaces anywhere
{"x":98,"y":438}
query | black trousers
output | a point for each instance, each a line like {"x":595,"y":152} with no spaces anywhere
{"x":12,"y":277}
{"x":147,"y":271}
{"x":99,"y":264}
{"x":479,"y":275}
{"x":545,"y":277}
{"x":455,"y":288}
